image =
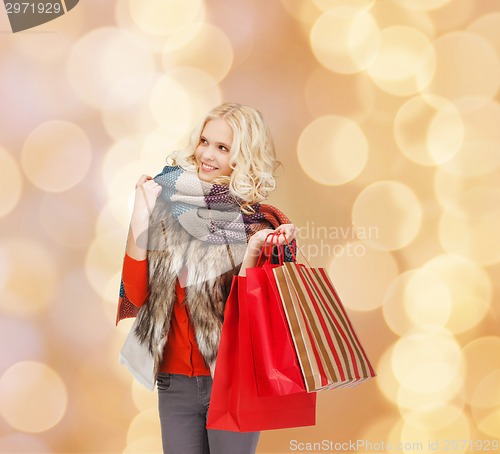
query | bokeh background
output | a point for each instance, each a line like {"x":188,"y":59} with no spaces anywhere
{"x":386,"y":117}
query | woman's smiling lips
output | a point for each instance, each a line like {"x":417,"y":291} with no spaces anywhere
{"x":207,"y":168}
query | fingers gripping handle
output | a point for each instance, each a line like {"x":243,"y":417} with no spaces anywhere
{"x":281,"y":249}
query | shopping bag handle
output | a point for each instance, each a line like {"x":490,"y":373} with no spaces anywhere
{"x":293,"y":254}
{"x":281,"y":252}
{"x":281,"y":249}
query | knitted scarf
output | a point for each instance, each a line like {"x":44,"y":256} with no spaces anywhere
{"x":207,"y":211}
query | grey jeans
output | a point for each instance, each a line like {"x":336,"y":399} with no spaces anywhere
{"x":183,"y":404}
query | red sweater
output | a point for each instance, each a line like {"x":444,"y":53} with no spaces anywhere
{"x":181,"y":354}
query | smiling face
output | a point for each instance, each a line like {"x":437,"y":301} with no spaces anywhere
{"x":213,"y":152}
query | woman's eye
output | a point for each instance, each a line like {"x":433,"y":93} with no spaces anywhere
{"x":223,"y":148}
{"x":203,"y":141}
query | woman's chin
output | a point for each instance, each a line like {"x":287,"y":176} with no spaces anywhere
{"x":204,"y":177}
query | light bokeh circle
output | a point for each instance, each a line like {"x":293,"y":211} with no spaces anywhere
{"x":345,"y":39}
{"x":409,"y":400}
{"x":182,"y":97}
{"x":121,"y":183}
{"x":144,"y":399}
{"x":386,"y":381}
{"x":434,"y":417}
{"x":487,"y":392}
{"x":193,"y":46}
{"x":158,"y":145}
{"x":426,"y":5}
{"x":453,"y":16}
{"x":53,"y":148}
{"x":478,"y":154}
{"x":144,"y":445}
{"x":170,"y":105}
{"x":101,"y":59}
{"x":11,"y":183}
{"x":115,"y":215}
{"x":204,"y":92}
{"x":429,"y":130}
{"x":423,"y":440}
{"x":33,"y":397}
{"x":427,"y":299}
{"x":124,"y":20}
{"x":133,"y":119}
{"x":390,"y":13}
{"x":325,"y":5}
{"x":332,"y":150}
{"x":488,"y":27}
{"x":414,"y":398}
{"x":24,"y":442}
{"x":391,"y":208}
{"x":485,"y":398}
{"x":416,"y":297}
{"x":467,"y":65}
{"x":183,"y":37}
{"x":163,"y":17}
{"x":488,"y":422}
{"x":377,"y":429}
{"x":354,"y":263}
{"x":30,"y":276}
{"x":119,"y":155}
{"x":469,"y":286}
{"x":120,"y":171}
{"x":405,"y":63}
{"x":475,"y":237}
{"x":427,"y":360}
{"x":483,"y":364}
{"x":104,"y":257}
{"x":306,"y":12}
{"x":475,"y":198}
{"x":145,"y":430}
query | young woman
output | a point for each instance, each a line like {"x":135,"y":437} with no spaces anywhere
{"x":194,"y":227}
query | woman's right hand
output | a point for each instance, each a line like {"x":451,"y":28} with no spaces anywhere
{"x":147,"y":191}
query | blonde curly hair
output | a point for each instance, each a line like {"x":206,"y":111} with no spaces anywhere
{"x":252,"y":155}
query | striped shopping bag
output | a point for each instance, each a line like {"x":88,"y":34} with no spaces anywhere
{"x":328,"y":349}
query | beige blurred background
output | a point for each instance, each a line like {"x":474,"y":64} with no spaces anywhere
{"x":386,"y":117}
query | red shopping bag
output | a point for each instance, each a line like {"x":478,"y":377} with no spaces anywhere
{"x":235,"y":404}
{"x":277,"y":368}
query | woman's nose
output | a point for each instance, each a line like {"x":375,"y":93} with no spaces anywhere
{"x":208,"y":153}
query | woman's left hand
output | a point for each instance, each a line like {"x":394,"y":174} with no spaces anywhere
{"x":288,"y":231}
{"x":261,"y":238}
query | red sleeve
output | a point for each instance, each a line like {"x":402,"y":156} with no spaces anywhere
{"x":135,"y":280}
